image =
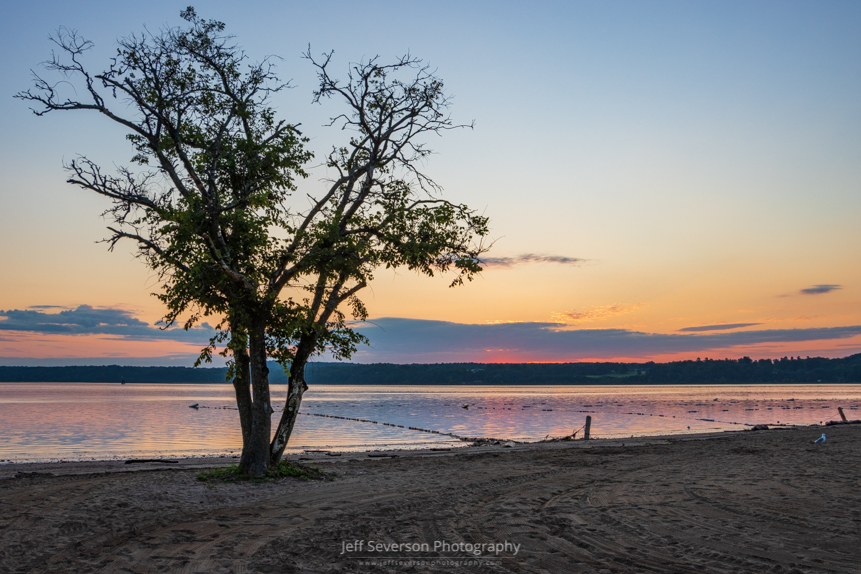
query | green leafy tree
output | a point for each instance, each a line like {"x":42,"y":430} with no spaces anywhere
{"x":209,"y":199}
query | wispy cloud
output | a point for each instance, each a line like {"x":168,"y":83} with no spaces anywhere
{"x":820,"y":289}
{"x":87,"y":320}
{"x":596,"y":313}
{"x":530,"y":258}
{"x":722,"y":327}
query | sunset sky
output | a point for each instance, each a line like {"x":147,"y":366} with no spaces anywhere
{"x":664,"y":180}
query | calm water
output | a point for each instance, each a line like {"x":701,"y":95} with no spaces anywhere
{"x":78,"y":421}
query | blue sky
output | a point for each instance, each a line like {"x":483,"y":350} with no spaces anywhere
{"x":675,"y":164}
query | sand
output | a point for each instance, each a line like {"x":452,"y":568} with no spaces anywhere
{"x":742,"y":502}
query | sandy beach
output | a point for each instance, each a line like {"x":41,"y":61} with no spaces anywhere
{"x":741,"y":502}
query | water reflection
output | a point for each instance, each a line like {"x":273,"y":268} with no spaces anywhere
{"x":75,"y":421}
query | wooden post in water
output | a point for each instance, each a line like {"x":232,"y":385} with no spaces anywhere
{"x":588,"y":426}
{"x":842,"y":416}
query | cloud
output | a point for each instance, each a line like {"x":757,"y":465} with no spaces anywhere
{"x":594,"y":314}
{"x":820,"y":289}
{"x":722,"y":327}
{"x":87,"y":320}
{"x":418,"y":341}
{"x":400,"y":340}
{"x":530,"y":258}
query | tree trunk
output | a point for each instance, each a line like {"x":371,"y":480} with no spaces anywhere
{"x":295,"y":389}
{"x":242,"y":386}
{"x":256,"y":455}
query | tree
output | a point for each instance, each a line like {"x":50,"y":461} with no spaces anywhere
{"x":209,"y":199}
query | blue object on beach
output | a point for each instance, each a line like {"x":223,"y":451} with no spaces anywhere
{"x":820,"y":439}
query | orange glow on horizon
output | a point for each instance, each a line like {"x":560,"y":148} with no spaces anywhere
{"x":51,"y":346}
{"x":830,"y":348}
{"x":42,"y":346}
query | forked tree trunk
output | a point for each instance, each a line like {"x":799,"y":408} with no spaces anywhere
{"x":242,"y":386}
{"x":295,"y":389}
{"x":255,"y":459}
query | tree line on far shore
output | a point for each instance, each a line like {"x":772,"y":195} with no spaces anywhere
{"x":705,"y":371}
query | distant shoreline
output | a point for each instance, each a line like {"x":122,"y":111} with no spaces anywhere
{"x":787,"y":370}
